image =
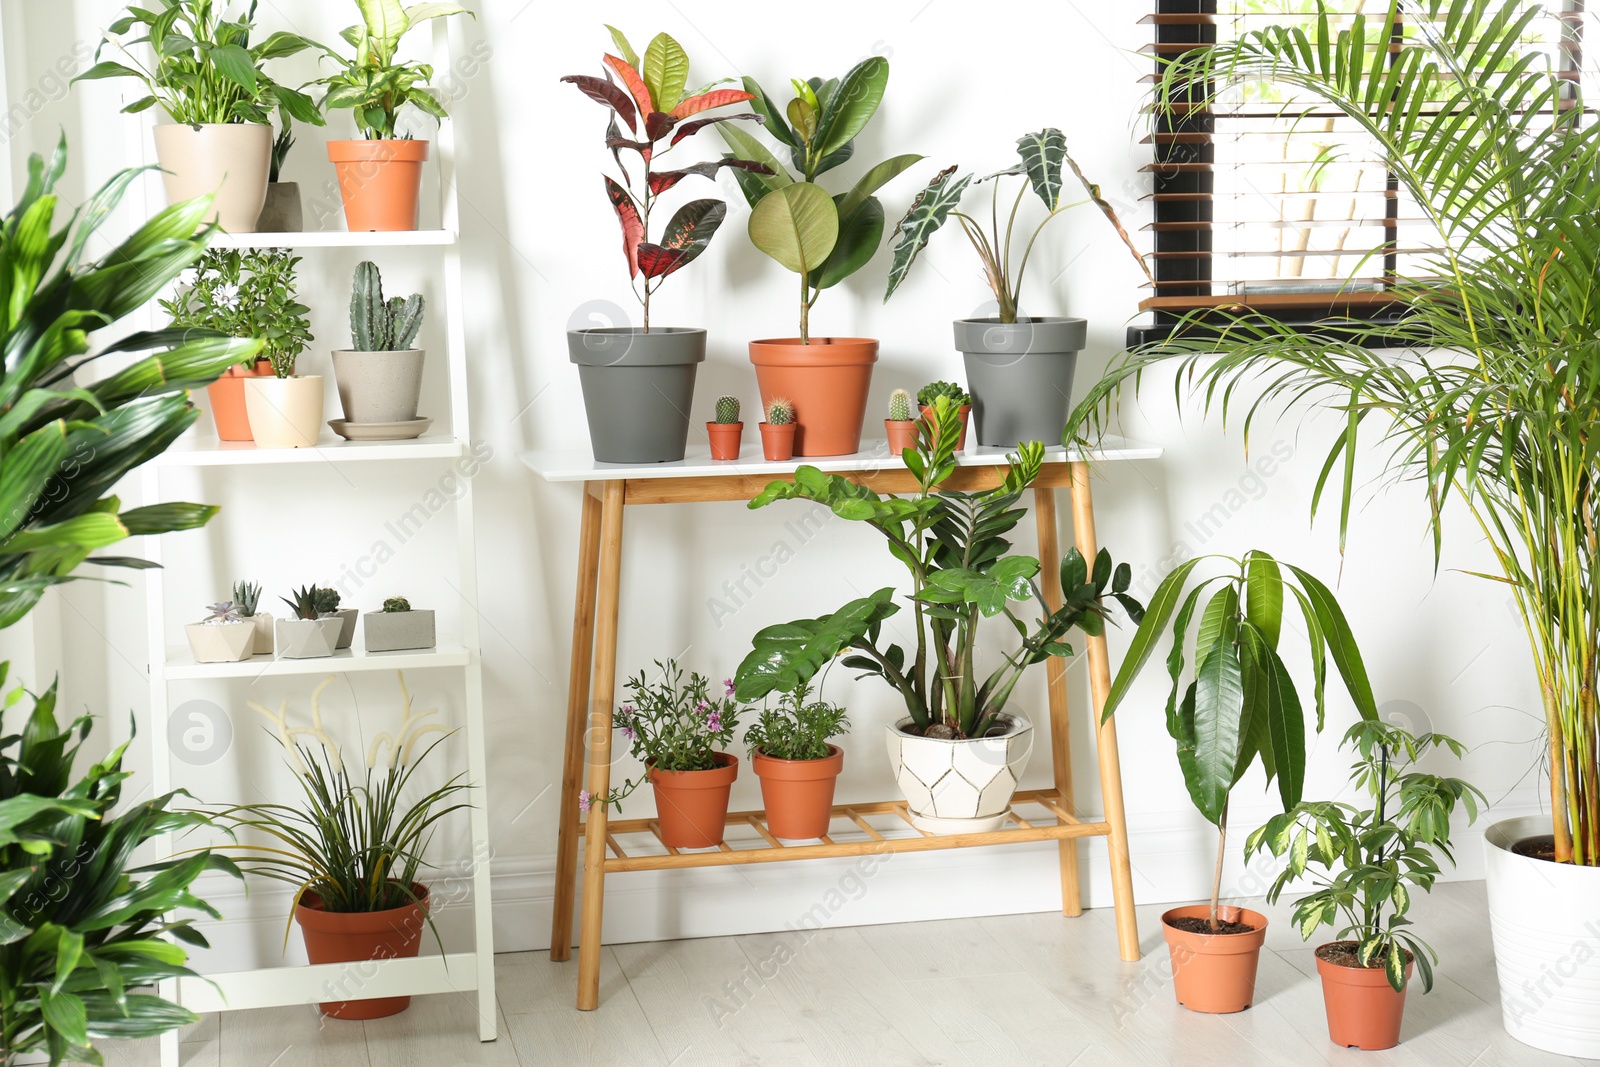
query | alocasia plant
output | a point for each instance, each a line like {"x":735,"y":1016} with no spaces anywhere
{"x":652,"y":104}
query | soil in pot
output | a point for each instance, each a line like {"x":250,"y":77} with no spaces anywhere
{"x":231,"y":160}
{"x":726,"y":439}
{"x":1214,"y":973}
{"x":692,"y":806}
{"x":380,"y":182}
{"x":798,"y":794}
{"x":1364,"y":1010}
{"x":637,"y":389}
{"x":350,"y":937}
{"x":828,"y":381}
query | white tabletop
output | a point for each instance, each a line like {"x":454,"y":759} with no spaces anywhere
{"x":579,"y":465}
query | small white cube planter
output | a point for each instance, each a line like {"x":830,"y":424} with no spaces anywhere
{"x":960,"y":787}
{"x":308,"y":638}
{"x":395,"y":631}
{"x":263,"y":642}
{"x":227,"y":642}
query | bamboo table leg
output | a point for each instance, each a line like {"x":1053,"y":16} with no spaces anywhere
{"x":604,"y":696}
{"x":577,"y":715}
{"x":1110,"y":762}
{"x":1044,"y":513}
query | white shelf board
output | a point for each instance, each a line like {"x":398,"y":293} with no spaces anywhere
{"x":336,"y":239}
{"x":272,"y":987}
{"x":579,"y":464}
{"x":209,"y":452}
{"x":180,"y":663}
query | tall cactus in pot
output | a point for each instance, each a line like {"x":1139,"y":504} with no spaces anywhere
{"x":380,"y":377}
{"x":377,"y":325}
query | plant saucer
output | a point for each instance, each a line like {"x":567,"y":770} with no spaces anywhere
{"x":380,"y":431}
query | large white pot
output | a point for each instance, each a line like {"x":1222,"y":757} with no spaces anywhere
{"x":231,"y":160}
{"x":960,"y":787}
{"x":1546,"y":923}
{"x":284,"y":412}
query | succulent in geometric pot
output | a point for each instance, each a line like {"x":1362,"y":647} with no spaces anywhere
{"x":901,"y":425}
{"x":398,"y":626}
{"x":380,"y":375}
{"x":777,"y":433}
{"x":327,"y":604}
{"x":727,"y":431}
{"x":223,"y":636}
{"x":246,"y":601}
{"x":308,"y":633}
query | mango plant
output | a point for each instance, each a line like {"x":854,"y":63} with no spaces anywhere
{"x":652,"y":103}
{"x":823,"y":238}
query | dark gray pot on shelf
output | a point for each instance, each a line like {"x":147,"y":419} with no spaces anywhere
{"x":281,"y":213}
{"x":637,"y":389}
{"x":1020,"y":376}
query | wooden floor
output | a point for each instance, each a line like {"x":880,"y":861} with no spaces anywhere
{"x":1021,"y":989}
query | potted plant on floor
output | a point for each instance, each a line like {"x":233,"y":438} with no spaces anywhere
{"x":798,"y":768}
{"x":958,"y":396}
{"x":638,"y":384}
{"x":354,"y":849}
{"x":727,"y":431}
{"x":682,"y":735}
{"x":1372,"y":859}
{"x":380,"y":175}
{"x":246,"y":601}
{"x":209,"y":80}
{"x":398,"y":626}
{"x":380,"y":376}
{"x":223,"y":636}
{"x":778,"y":431}
{"x":954,"y":546}
{"x":1020,"y":367}
{"x":900,"y":428}
{"x":823,"y":238}
{"x":282,"y":211}
{"x":1240,"y":708}
{"x":310,"y":633}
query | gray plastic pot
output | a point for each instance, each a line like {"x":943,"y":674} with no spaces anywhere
{"x":1020,"y":376}
{"x":637,"y":389}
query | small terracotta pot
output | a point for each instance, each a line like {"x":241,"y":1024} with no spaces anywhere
{"x":1364,"y":1010}
{"x":965,"y":411}
{"x":380,"y":182}
{"x":352,"y":937}
{"x":902,"y":434}
{"x":692,"y":806}
{"x":827,"y":380}
{"x":726,"y":439}
{"x":1215,"y":973}
{"x":798,"y":793}
{"x":777,"y":442}
{"x":227,"y":401}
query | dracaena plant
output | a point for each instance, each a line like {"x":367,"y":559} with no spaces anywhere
{"x":659,"y":114}
{"x":1043,"y":160}
{"x":821,"y":237}
{"x":373,"y":83}
{"x":953,"y":544}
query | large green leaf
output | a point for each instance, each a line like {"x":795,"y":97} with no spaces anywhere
{"x":1163,"y":603}
{"x":851,"y":106}
{"x":1043,"y":154}
{"x":927,"y":213}
{"x":787,"y":656}
{"x":1218,"y":710}
{"x":860,"y":233}
{"x":1341,"y":642}
{"x":772,"y":118}
{"x":873,"y":180}
{"x":666,"y":71}
{"x":1264,"y":596}
{"x":748,"y":148}
{"x":796,"y":225}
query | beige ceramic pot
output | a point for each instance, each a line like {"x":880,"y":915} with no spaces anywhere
{"x":284,"y":412}
{"x":231,"y":160}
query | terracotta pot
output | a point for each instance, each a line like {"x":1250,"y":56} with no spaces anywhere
{"x":284,"y":412}
{"x":380,"y":182}
{"x":827,"y":380}
{"x":965,"y":411}
{"x":227,"y":401}
{"x":1214,"y":973}
{"x":1363,"y":1008}
{"x":230,"y":160}
{"x":777,"y":442}
{"x":902,"y":434}
{"x":692,"y":806}
{"x":352,"y":937}
{"x":726,"y":439}
{"x":798,"y":793}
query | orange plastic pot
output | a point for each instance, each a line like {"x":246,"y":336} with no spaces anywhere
{"x":798,"y":793}
{"x":902,"y":434}
{"x":827,"y":380}
{"x":777,"y":442}
{"x":965,"y":411}
{"x":380,"y":182}
{"x":725,"y":439}
{"x":227,"y":401}
{"x":1364,"y":1010}
{"x":1215,"y":973}
{"x":692,"y":806}
{"x":352,"y":937}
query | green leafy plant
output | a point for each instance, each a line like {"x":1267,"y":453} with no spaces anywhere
{"x":900,"y":406}
{"x":953,"y":544}
{"x":780,"y":411}
{"x":396,"y":604}
{"x":1372,"y":858}
{"x":247,"y":294}
{"x":798,"y":728}
{"x":205,"y":69}
{"x":281,"y":145}
{"x":727,"y":410}
{"x":1485,"y":388}
{"x":373,"y":83}
{"x":958,"y":396}
{"x":822,"y":238}
{"x":247,"y":596}
{"x":1240,"y":707}
{"x":377,"y":325}
{"x":304,"y":602}
{"x":1043,"y":156}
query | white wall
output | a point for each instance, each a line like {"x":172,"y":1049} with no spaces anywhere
{"x":542,"y":254}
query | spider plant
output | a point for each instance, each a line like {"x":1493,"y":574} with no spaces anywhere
{"x":1487,"y":387}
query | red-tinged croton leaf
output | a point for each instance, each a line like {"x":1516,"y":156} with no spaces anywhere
{"x":605,"y":92}
{"x":688,"y":129}
{"x":661,"y":181}
{"x":694,"y":223}
{"x":658,"y":262}
{"x":636,"y":86}
{"x":658,"y":124}
{"x":632,"y":227}
{"x":706,"y":101}
{"x":613,"y":139}
{"x":644,"y":148}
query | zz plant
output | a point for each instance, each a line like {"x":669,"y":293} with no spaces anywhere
{"x":377,"y":325}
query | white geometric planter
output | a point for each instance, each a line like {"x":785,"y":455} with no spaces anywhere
{"x":1545,"y":918}
{"x":395,"y":631}
{"x":308,"y":638}
{"x":263,"y":642}
{"x":227,"y":642}
{"x":960,"y":787}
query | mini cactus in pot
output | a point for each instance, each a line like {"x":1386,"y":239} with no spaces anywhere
{"x":398,"y":627}
{"x":777,"y":433}
{"x":247,"y":599}
{"x":223,"y":636}
{"x":380,"y":375}
{"x":958,"y":396}
{"x":309,"y":632}
{"x":327,"y":604}
{"x":901,"y":425}
{"x":727,"y":433}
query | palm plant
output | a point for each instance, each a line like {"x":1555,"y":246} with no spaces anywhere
{"x":1493,"y":394}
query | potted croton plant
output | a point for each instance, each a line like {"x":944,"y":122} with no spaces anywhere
{"x":824,"y":238}
{"x":1020,"y":367}
{"x":398,"y":626}
{"x":209,"y":79}
{"x":310,"y":632}
{"x":223,"y":636}
{"x":790,"y":752}
{"x":380,"y":375}
{"x":961,"y":572}
{"x":638,"y":384}
{"x":380,"y":174}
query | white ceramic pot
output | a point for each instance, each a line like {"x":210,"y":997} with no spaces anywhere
{"x":227,"y":642}
{"x":231,"y":160}
{"x":263,"y":644}
{"x":392,"y":631}
{"x":960,"y":787}
{"x":308,"y":638}
{"x":1545,"y":918}
{"x":284,"y":412}
{"x":379,"y":386}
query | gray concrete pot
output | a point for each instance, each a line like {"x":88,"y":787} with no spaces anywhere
{"x":281,"y":213}
{"x":1020,"y":376}
{"x":308,"y":638}
{"x":347,"y":625}
{"x":379,"y":386}
{"x":393,"y":631}
{"x":637,"y":389}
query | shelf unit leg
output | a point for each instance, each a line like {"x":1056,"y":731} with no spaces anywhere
{"x":599,"y":744}
{"x":577,"y":713}
{"x":1044,"y":512}
{"x":1110,"y":762}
